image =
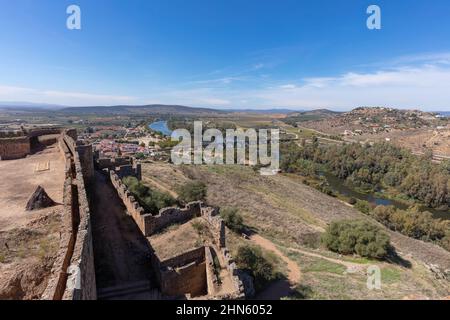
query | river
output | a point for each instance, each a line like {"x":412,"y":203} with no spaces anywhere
{"x":161,"y":126}
{"x":338,"y":186}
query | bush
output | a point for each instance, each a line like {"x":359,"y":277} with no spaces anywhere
{"x":192,"y":191}
{"x":360,"y":237}
{"x":140,"y":156}
{"x":252,"y":260}
{"x":363,"y":206}
{"x":233,"y":219}
{"x":412,"y":223}
{"x":150,"y":200}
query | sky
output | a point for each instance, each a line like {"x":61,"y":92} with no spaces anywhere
{"x":227,"y":54}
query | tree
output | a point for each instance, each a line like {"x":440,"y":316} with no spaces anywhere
{"x":252,"y":260}
{"x":356,"y":236}
{"x":233,"y":219}
{"x":192,"y":191}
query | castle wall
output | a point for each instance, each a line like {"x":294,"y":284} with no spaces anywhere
{"x":123,"y":167}
{"x":73,"y":273}
{"x":17,"y":145}
{"x":184,"y":274}
{"x":14,"y":148}
{"x":193,"y":271}
{"x":148,"y":223}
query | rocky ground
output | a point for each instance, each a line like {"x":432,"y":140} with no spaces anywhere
{"x":27,"y":255}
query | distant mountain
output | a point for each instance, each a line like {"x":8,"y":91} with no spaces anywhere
{"x":265,"y":111}
{"x":318,"y":113}
{"x":28,"y":106}
{"x":155,"y":109}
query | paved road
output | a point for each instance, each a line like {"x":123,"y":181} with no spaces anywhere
{"x":121,"y":252}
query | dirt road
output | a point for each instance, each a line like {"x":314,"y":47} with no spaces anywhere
{"x":351,"y":266}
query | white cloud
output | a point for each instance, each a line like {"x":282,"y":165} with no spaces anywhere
{"x":10,"y":93}
{"x":288,"y":86}
{"x":425,"y":87}
{"x":407,"y":85}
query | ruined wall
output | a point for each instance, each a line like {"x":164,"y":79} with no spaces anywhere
{"x":169,"y":216}
{"x":184,"y":274}
{"x":81,"y":281}
{"x":112,"y":163}
{"x":14,"y":148}
{"x":86,"y":157}
{"x":73,"y":274}
{"x":148,"y":223}
{"x":242,"y":282}
{"x":194,"y":268}
{"x":18,"y":145}
{"x":216,"y":223}
{"x":124,"y":167}
{"x":189,"y":279}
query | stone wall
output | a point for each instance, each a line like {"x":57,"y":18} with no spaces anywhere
{"x":148,"y":223}
{"x":73,"y":273}
{"x":18,"y":145}
{"x":112,"y":163}
{"x":190,"y":269}
{"x":14,"y":148}
{"x":184,"y":274}
{"x":124,"y":167}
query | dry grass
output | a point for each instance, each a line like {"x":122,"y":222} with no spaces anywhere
{"x":293,"y":215}
{"x":179,"y":239}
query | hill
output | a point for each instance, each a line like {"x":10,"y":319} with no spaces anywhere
{"x":155,"y":109}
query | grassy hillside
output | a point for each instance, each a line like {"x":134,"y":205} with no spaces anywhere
{"x":293,"y":216}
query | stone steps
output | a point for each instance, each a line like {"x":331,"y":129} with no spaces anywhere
{"x":136,"y":290}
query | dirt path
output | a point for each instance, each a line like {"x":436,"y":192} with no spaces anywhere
{"x":280,"y":288}
{"x":351,"y":266}
{"x":121,"y":252}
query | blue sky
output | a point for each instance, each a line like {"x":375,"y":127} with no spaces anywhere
{"x":227,"y":53}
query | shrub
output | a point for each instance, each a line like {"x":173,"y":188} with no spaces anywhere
{"x":412,"y":223}
{"x":233,"y":219}
{"x":354,"y":236}
{"x":363,"y":206}
{"x":140,"y":156}
{"x":199,"y":227}
{"x":192,"y":191}
{"x":252,"y":260}
{"x":150,"y":200}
